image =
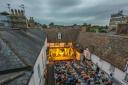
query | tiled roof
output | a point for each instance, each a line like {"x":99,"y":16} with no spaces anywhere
{"x":21,"y":79}
{"x":68,"y":35}
{"x":19,"y":49}
{"x":15,"y":78}
{"x":26,"y":45}
{"x":8,"y":59}
{"x":6,"y":77}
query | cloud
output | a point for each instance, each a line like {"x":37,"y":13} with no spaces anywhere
{"x":63,"y":3}
{"x":69,"y":11}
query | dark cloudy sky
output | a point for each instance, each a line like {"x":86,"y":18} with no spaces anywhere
{"x":67,"y":12}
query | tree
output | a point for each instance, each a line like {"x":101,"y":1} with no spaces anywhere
{"x":44,"y":26}
{"x":74,"y":24}
{"x":51,"y":24}
{"x":106,"y":27}
{"x":4,"y":13}
{"x":85,"y":24}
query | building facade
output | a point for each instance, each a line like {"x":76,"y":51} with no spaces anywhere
{"x":18,"y":18}
{"x":122,"y":29}
{"x":14,"y":19}
{"x":38,"y":75}
{"x":4,"y":21}
{"x":118,"y":18}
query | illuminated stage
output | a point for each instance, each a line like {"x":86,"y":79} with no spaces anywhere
{"x":61,"y":52}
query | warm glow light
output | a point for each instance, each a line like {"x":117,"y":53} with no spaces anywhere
{"x":60,"y":44}
{"x":62,"y":54}
{"x":62,"y":51}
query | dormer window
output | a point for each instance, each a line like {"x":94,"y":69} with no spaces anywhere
{"x":59,"y":36}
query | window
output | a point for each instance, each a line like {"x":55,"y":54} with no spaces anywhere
{"x":59,"y":36}
{"x":126,"y":77}
{"x":38,"y":68}
{"x":112,"y":69}
{"x":43,"y":60}
{"x":40,"y":83}
{"x":126,"y":67}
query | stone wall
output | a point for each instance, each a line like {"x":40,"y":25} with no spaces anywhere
{"x":111,"y":48}
{"x":122,"y":29}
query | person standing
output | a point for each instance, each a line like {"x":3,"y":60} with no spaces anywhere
{"x":97,"y":70}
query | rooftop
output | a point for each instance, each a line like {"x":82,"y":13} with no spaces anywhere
{"x":19,"y":51}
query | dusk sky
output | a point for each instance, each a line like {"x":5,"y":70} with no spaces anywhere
{"x":68,"y":12}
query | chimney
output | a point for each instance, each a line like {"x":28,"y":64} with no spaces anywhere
{"x":16,"y":13}
{"x":12,"y":12}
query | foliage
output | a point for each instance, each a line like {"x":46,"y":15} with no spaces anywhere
{"x":51,"y":24}
{"x":4,"y":13}
{"x":95,"y":28}
{"x":44,"y":26}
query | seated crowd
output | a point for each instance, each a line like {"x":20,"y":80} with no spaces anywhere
{"x":75,"y":73}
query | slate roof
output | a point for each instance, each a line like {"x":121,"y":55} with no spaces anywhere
{"x":21,"y":78}
{"x":19,"y":49}
{"x":8,"y":60}
{"x":6,"y":77}
{"x":25,"y":44}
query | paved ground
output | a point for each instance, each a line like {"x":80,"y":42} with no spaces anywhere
{"x":51,"y":80}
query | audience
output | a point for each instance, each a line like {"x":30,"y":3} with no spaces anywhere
{"x":75,"y":73}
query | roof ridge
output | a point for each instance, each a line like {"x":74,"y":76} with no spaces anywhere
{"x":15,"y":70}
{"x":12,"y":77}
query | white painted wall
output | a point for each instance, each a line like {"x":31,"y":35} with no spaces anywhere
{"x":41,"y":62}
{"x":105,"y":66}
{"x":32,"y":81}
